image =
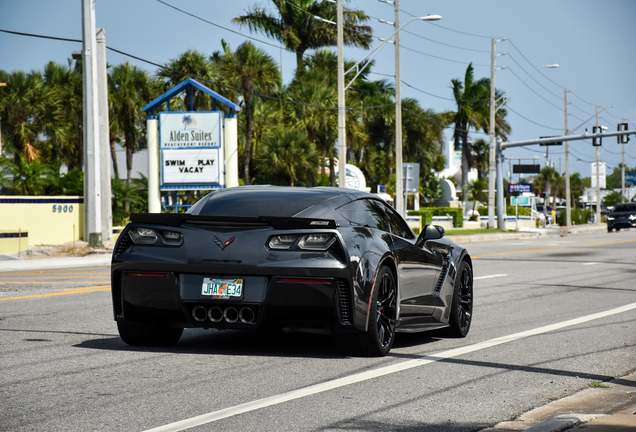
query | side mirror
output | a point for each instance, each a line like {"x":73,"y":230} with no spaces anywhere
{"x":430,"y":232}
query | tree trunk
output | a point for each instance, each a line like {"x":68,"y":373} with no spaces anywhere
{"x":113,"y":151}
{"x":130,"y":147}
{"x":248,"y":138}
{"x":332,"y":171}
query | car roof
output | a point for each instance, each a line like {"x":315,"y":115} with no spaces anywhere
{"x":266,"y":200}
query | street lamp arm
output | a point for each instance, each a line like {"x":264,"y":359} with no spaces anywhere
{"x":506,"y":95}
{"x":375,"y":52}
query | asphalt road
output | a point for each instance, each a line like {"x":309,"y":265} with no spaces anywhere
{"x":552,"y":315}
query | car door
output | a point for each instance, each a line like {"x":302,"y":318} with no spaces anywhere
{"x":418,"y":271}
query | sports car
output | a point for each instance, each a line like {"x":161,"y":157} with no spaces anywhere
{"x":333,"y":260}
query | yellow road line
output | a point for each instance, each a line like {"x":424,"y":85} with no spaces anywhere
{"x":553,"y":248}
{"x":44,"y":282}
{"x":86,"y":290}
{"x":75,"y":270}
{"x":107,"y":275}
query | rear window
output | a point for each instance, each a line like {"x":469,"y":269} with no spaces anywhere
{"x":264,"y":202}
{"x":625,"y":208}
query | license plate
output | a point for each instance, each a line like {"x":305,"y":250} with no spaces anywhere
{"x":222,"y":288}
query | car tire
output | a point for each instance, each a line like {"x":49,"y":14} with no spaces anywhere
{"x":378,"y":339}
{"x":609,"y":229}
{"x":461,"y":315}
{"x":147,"y":335}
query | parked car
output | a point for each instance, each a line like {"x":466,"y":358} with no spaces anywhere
{"x":545,"y":214}
{"x":623,"y":215}
{"x":334,"y":260}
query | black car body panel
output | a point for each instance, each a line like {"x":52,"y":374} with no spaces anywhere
{"x":622,"y":216}
{"x":166,"y":267}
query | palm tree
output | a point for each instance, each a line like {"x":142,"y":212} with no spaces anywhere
{"x":64,"y":128}
{"x":317,"y":93}
{"x":26,"y":104}
{"x":129,"y":90}
{"x":476,"y":190}
{"x":471,"y":98}
{"x":251,"y":70}
{"x":547,"y":181}
{"x":481,"y":153}
{"x":288,"y":154}
{"x":473,"y":111}
{"x":190,"y":64}
{"x":576,"y":187}
{"x":294,"y":25}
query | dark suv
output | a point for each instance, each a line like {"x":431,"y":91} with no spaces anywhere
{"x":622,"y":216}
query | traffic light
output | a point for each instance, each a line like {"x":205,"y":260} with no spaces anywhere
{"x":622,"y":139}
{"x":596,"y":141}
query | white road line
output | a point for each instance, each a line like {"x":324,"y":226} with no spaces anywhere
{"x":591,"y":263}
{"x":490,"y":276}
{"x":387,"y":370}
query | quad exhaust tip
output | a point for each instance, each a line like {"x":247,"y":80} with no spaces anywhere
{"x":230,"y":314}
{"x":215,"y":314}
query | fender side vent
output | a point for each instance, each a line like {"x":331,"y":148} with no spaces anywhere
{"x":442,"y":276}
{"x":344,"y":298}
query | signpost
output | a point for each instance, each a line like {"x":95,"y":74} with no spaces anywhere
{"x":516,"y":189}
{"x":191,"y":146}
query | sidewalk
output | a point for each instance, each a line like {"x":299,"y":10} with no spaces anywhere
{"x":611,"y":409}
{"x":10,"y":263}
{"x":529,"y":233}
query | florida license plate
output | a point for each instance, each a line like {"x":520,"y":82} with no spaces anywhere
{"x":222,"y":288}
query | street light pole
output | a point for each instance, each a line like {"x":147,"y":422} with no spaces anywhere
{"x":342,"y":133}
{"x":400,"y":202}
{"x":492,"y":157}
{"x":598,"y":183}
{"x":568,"y":203}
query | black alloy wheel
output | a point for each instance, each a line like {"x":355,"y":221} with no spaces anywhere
{"x":386,"y":311}
{"x":378,"y":339}
{"x":461,"y":315}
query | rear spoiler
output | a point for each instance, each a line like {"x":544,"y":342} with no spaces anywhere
{"x":277,"y":222}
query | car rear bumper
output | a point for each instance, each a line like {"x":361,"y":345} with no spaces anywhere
{"x":175,"y":299}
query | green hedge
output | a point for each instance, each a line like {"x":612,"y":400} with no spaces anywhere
{"x":510,"y":211}
{"x":579,"y":216}
{"x":427,"y":214}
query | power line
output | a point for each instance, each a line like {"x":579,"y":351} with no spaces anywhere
{"x":531,"y":121}
{"x":441,"y":58}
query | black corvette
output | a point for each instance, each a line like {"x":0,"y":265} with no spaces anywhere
{"x":329,"y":259}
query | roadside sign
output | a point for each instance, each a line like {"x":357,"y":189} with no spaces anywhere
{"x":519,"y":187}
{"x":630,"y":178}
{"x":520,"y":200}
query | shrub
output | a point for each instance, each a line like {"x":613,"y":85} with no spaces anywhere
{"x":427,"y":214}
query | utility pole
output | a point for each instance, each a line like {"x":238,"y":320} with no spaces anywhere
{"x":342,"y":133}
{"x":568,"y":203}
{"x":92,"y":186}
{"x":399,"y":198}
{"x":598,"y":183}
{"x":103,"y":135}
{"x":492,"y":155}
{"x":623,"y":167}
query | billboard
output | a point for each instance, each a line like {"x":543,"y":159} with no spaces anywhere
{"x":601,"y":175}
{"x":630,"y":178}
{"x":191,"y":146}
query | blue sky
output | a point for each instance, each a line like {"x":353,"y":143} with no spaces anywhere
{"x":593,"y":41}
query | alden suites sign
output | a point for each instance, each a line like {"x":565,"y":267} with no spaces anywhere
{"x":191,"y":150}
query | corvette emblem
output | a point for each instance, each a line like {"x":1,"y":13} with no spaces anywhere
{"x":221,"y":244}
